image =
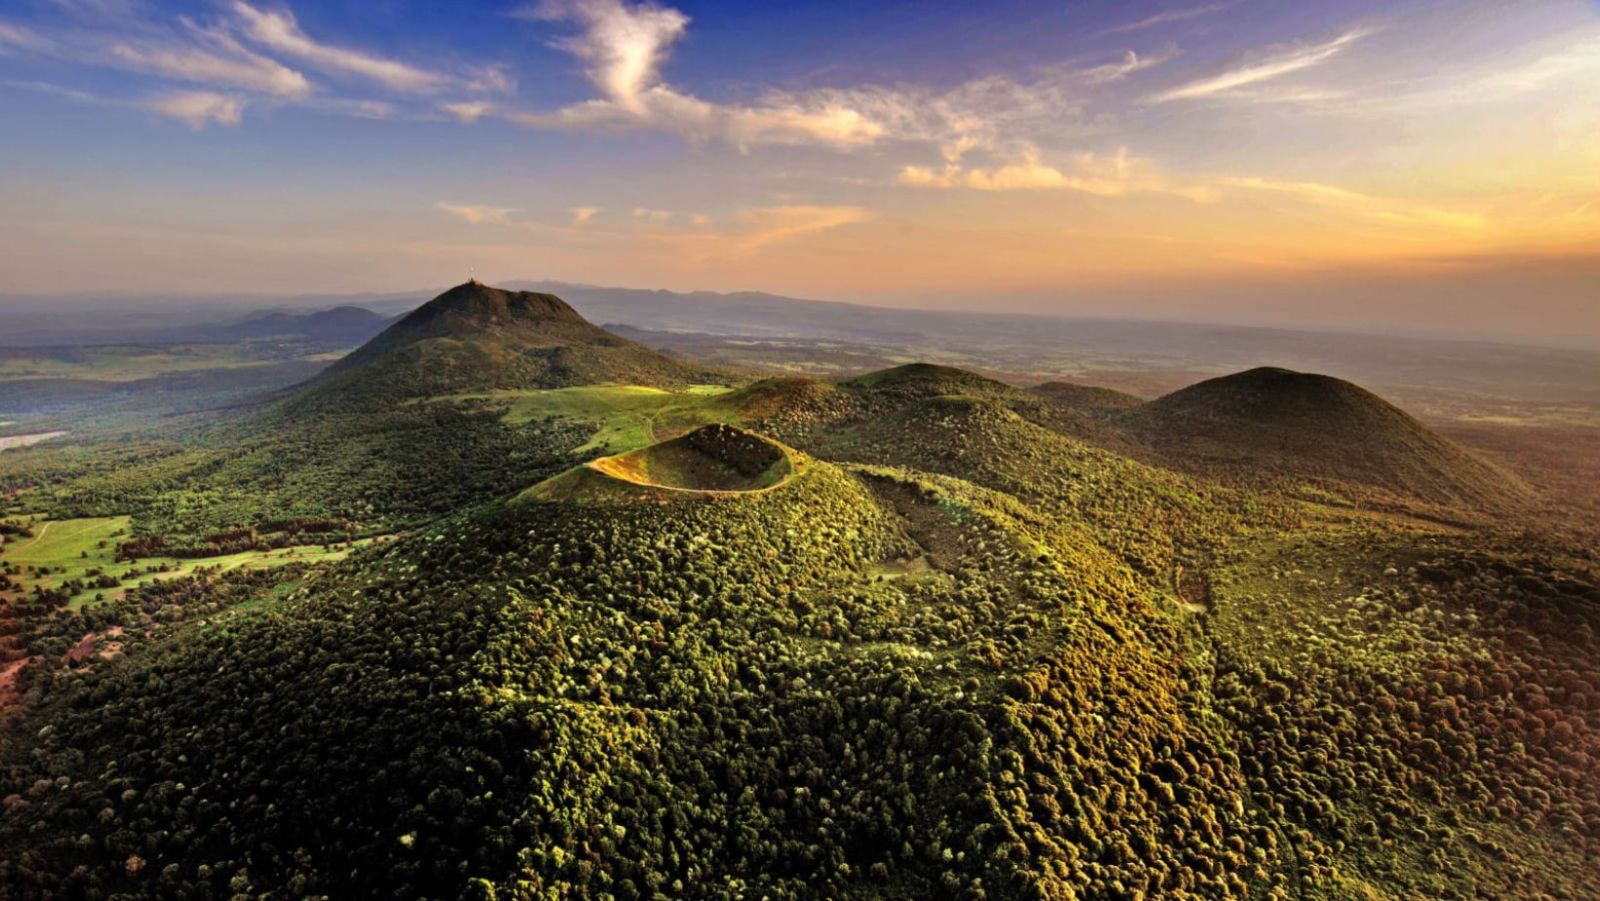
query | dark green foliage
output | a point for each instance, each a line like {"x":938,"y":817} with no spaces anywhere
{"x":477,"y":338}
{"x":1088,"y":398}
{"x":1267,"y":422}
{"x":1419,"y":713}
{"x":973,"y":656}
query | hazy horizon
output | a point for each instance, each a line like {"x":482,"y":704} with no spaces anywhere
{"x":231,"y":305}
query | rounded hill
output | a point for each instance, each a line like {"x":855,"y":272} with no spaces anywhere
{"x":918,"y":380}
{"x":478,"y":338}
{"x":1271,"y":421}
{"x":1088,"y":398}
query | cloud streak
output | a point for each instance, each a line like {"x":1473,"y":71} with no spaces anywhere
{"x":280,"y":32}
{"x":1170,"y":16}
{"x":1109,"y":175}
{"x":19,"y":37}
{"x":1378,"y":209}
{"x":762,"y":227}
{"x":625,"y":46}
{"x":477,"y":214}
{"x":1274,"y":65}
{"x":227,"y":64}
{"x":199,"y":108}
{"x":1130,"y":63}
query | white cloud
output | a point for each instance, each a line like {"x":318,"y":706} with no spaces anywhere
{"x":761,"y":227}
{"x":1105,"y":175}
{"x":1579,"y":60}
{"x":198,"y":108}
{"x":1171,"y":15}
{"x":666,"y":109}
{"x":233,"y":66}
{"x":280,"y":31}
{"x":1277,"y":63}
{"x":770,"y":225}
{"x":361,"y":109}
{"x":626,"y":44}
{"x":105,"y":9}
{"x":495,"y":79}
{"x":640,"y":212}
{"x":478,"y":214}
{"x":468,"y":111}
{"x":582,"y":214}
{"x":1394,"y":212}
{"x":1130,"y":63}
{"x":72,"y":94}
{"x":21,"y":38}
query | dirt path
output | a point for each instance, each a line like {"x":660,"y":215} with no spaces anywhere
{"x":38,"y":535}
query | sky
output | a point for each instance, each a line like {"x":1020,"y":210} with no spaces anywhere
{"x":1394,"y":166}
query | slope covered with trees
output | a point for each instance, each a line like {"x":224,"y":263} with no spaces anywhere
{"x":905,"y":636}
{"x":477,"y":338}
{"x":1271,"y":421}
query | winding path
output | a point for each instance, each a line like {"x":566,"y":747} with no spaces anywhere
{"x":39,"y":534}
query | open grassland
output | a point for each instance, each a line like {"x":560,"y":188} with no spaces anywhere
{"x":626,"y":417}
{"x":119,"y":363}
{"x":82,"y":550}
{"x":7,"y":442}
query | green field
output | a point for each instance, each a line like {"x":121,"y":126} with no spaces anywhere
{"x":628,"y":416}
{"x":69,"y":548}
{"x":119,"y":363}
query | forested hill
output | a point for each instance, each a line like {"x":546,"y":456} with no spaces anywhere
{"x":1274,"y":421}
{"x":917,"y":634}
{"x":476,"y":338}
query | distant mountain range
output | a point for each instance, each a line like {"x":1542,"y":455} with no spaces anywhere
{"x":1035,"y":346}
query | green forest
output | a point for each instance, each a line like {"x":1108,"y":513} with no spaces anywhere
{"x":595,"y":622}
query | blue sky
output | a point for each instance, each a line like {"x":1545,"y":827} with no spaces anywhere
{"x":1217,"y":158}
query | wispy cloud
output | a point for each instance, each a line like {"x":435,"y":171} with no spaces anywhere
{"x":1109,"y":175}
{"x":1276,"y":63}
{"x":1130,"y":63}
{"x":20,"y":37}
{"x":360,"y":109}
{"x":771,"y":225}
{"x":280,"y":32}
{"x":223,"y":63}
{"x":99,"y":8}
{"x":581,"y":215}
{"x":1580,"y":59}
{"x":73,"y":94}
{"x":1379,"y":209}
{"x":625,"y":45}
{"x":468,"y":111}
{"x":247,"y":53}
{"x":198,"y":108}
{"x":478,"y":214}
{"x":759,"y":228}
{"x":492,"y":79}
{"x":1170,"y":16}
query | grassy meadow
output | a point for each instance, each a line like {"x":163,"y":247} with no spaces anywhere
{"x":626,"y":416}
{"x":67,"y":550}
